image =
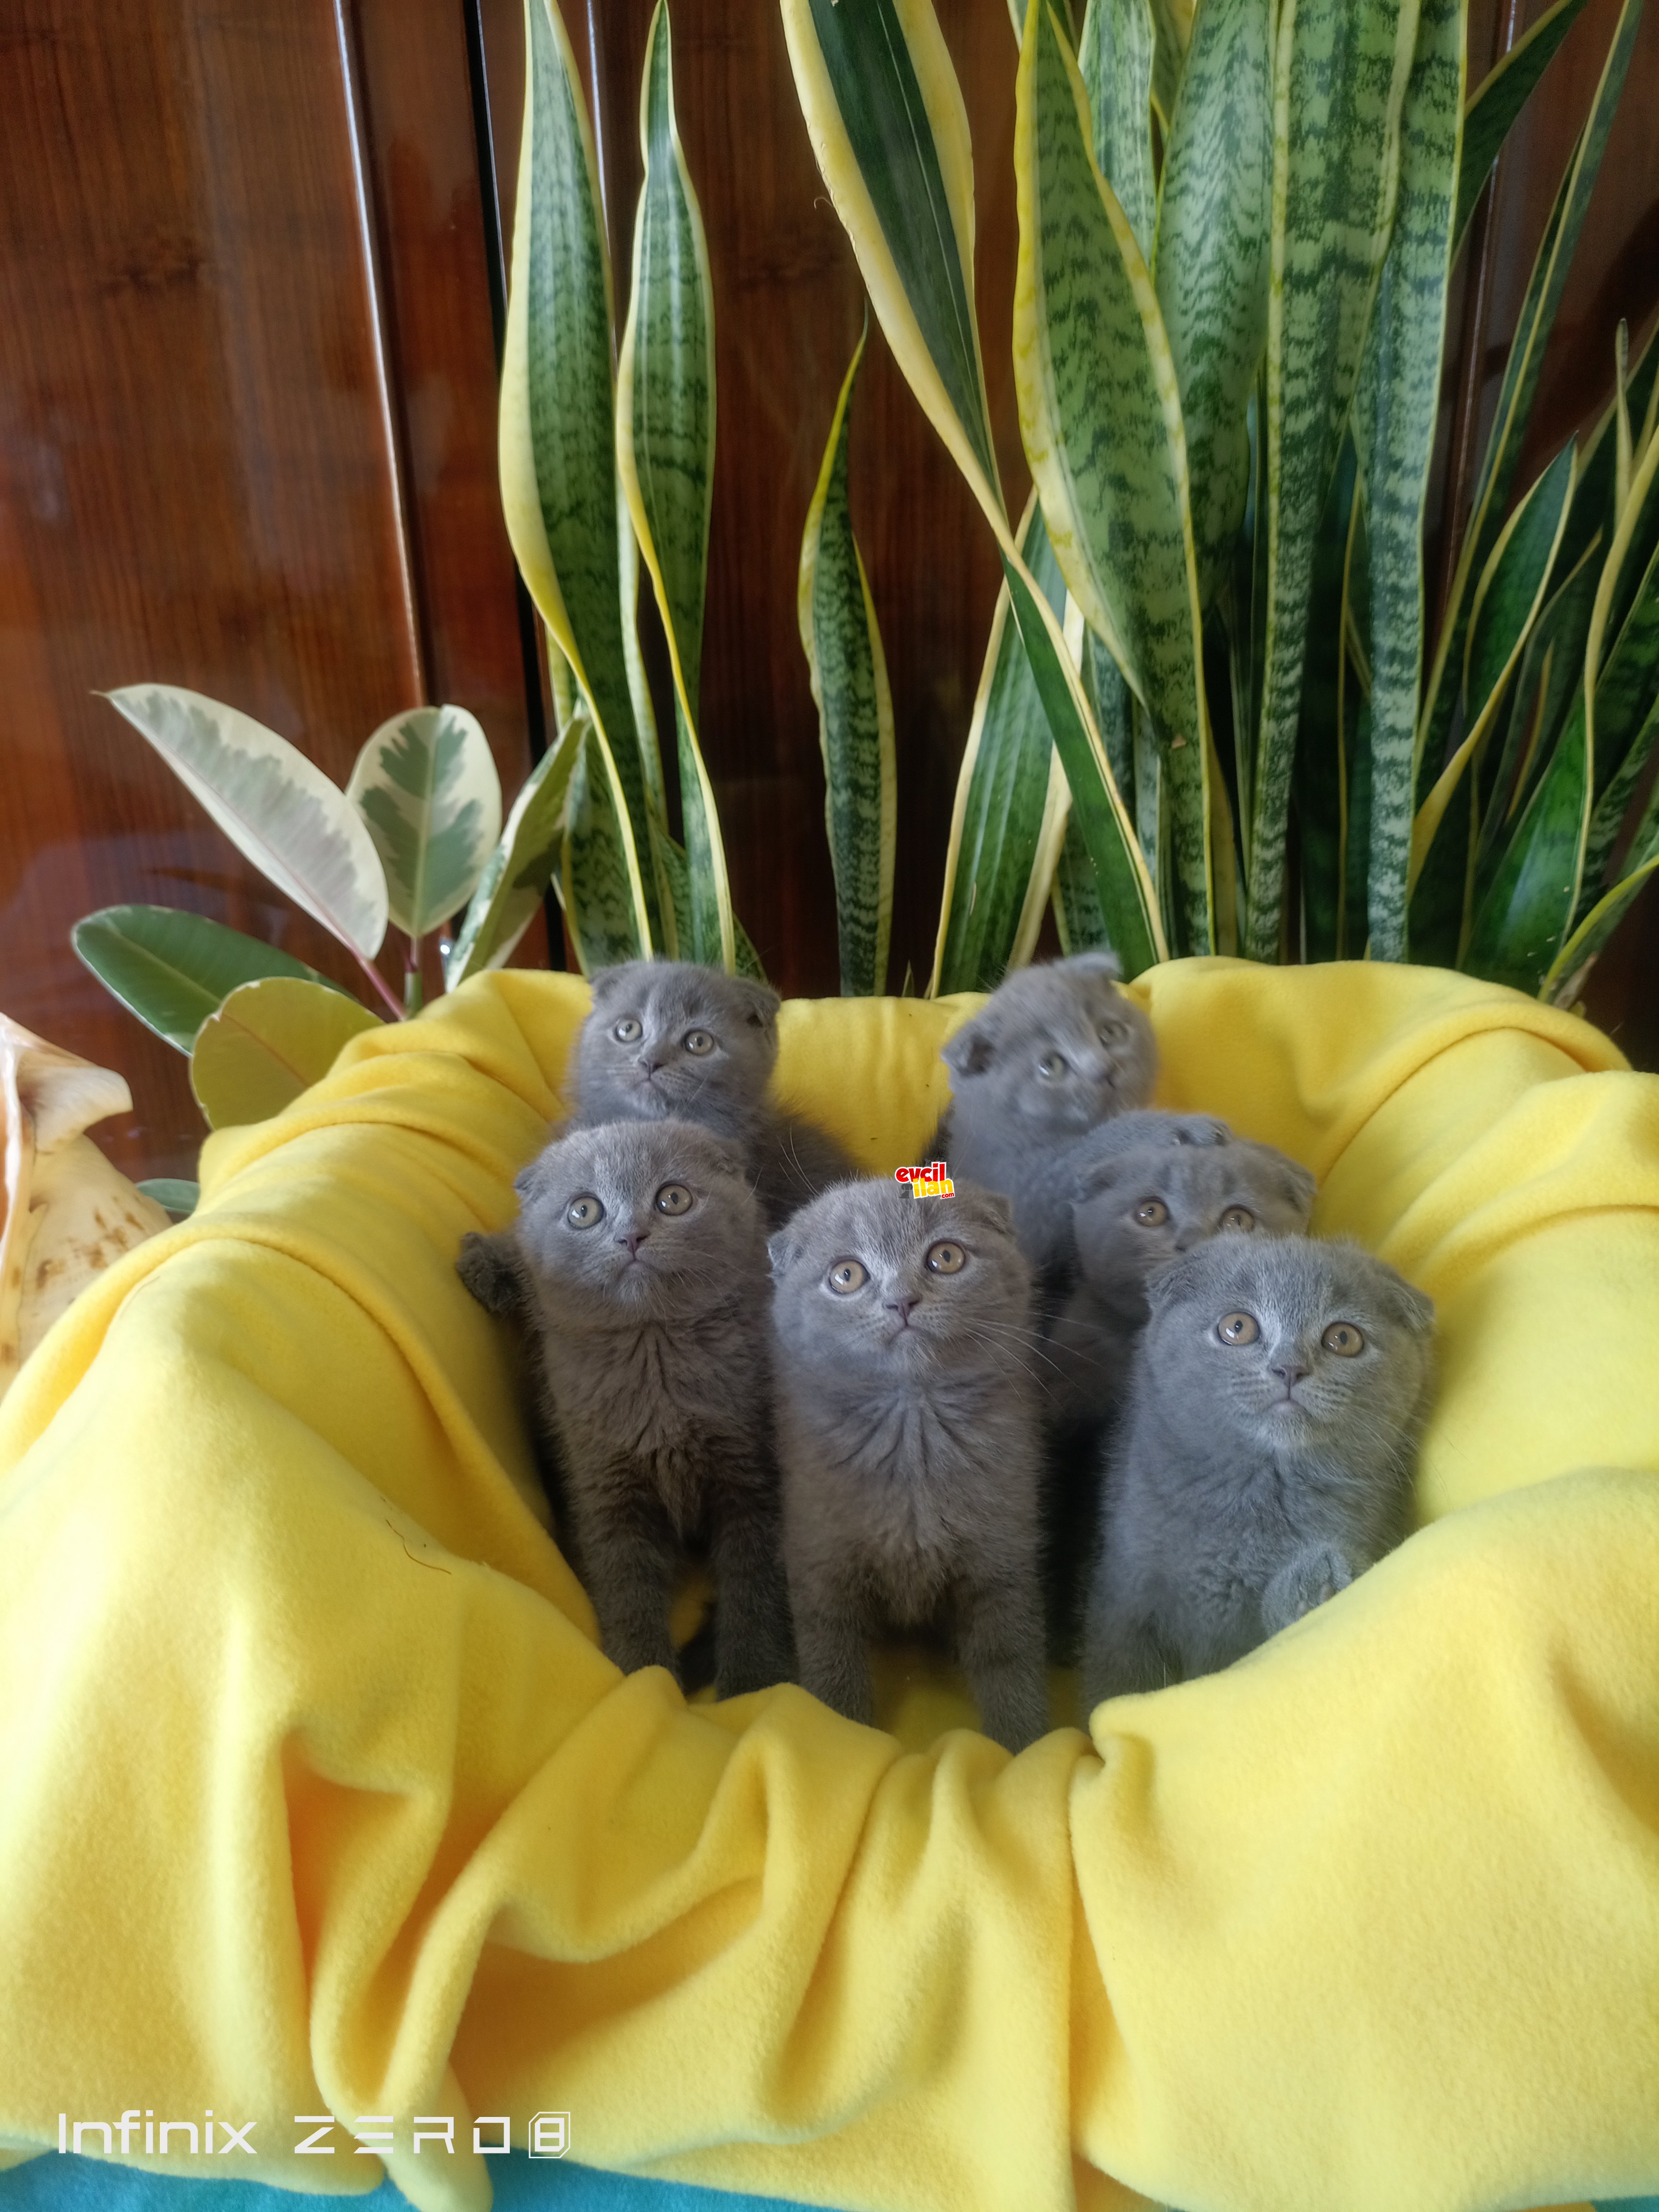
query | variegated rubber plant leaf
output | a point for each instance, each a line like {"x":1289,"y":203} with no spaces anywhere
{"x":1100,"y":421}
{"x":842,"y":640}
{"x":515,"y":877}
{"x":1394,"y":412}
{"x":1515,"y":399}
{"x":1114,"y":57}
{"x":426,"y":784}
{"x":1341,"y":72}
{"x":665,"y":460}
{"x":1211,"y":265}
{"x":277,"y":808}
{"x":1498,"y":103}
{"x":556,"y":429}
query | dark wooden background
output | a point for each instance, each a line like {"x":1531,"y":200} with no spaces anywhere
{"x":247,"y":375}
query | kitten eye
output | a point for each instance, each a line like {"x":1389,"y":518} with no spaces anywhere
{"x":847,"y":1276}
{"x":584,"y":1212}
{"x":699,"y":1041}
{"x":1151,"y":1214}
{"x":674,"y":1198}
{"x":1109,"y":1033}
{"x":1051,"y":1065}
{"x":1238,"y":1216}
{"x":946,"y":1260}
{"x":627,"y":1031}
{"x":1343,"y":1339}
{"x":1237,"y":1329}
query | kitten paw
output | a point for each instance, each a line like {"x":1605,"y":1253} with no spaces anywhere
{"x":1309,"y":1580}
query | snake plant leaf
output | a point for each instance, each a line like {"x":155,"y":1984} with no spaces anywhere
{"x":842,"y":640}
{"x":1075,"y":900}
{"x":1173,"y":21}
{"x":889,"y":129}
{"x":172,"y":969}
{"x":1526,"y":916}
{"x":276,"y":807}
{"x":270,"y":1041}
{"x":1101,"y":420}
{"x":1040,"y":884}
{"x":1516,"y":392}
{"x":1319,"y":757}
{"x":1595,"y":505}
{"x":1394,"y":412}
{"x":1626,"y":692}
{"x":1340,"y":73}
{"x":665,"y":460}
{"x":1115,"y":56}
{"x":593,"y":880}
{"x":1214,"y":221}
{"x":1613,"y":804}
{"x":516,"y":875}
{"x":426,"y":784}
{"x":1495,"y":106}
{"x":1001,"y":793}
{"x":1507,"y":602}
{"x":556,"y":428}
{"x":1567,"y":969}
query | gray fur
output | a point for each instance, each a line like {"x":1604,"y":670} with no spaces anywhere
{"x":908,"y":1441}
{"x":654,"y":1074}
{"x":1009,"y":1125}
{"x":1094,"y":1336}
{"x":1056,"y":1178}
{"x":1227,"y":1514}
{"x":655,"y":1363}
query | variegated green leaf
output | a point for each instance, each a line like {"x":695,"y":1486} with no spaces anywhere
{"x":1078,"y":921}
{"x":1613,"y":804}
{"x":276,"y":807}
{"x":1172,"y":22}
{"x":666,"y":458}
{"x":1115,"y":54}
{"x":1495,"y":106}
{"x":1394,"y":412}
{"x":1515,"y":397}
{"x":592,"y":881}
{"x":1595,"y":505}
{"x":842,"y":640}
{"x":1567,"y":972}
{"x":1100,"y":421}
{"x":517,"y":874}
{"x":1001,"y":794}
{"x":1341,"y":72}
{"x":1040,"y":885}
{"x":1507,"y":602}
{"x":557,"y":437}
{"x":890,"y":131}
{"x":1319,"y":754}
{"x":426,"y":784}
{"x":1214,"y":221}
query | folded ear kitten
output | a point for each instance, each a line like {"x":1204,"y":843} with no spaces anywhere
{"x":669,"y":1037}
{"x":909,"y":1439}
{"x":1265,"y":1455}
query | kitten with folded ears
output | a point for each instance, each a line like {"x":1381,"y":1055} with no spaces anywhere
{"x":1053,"y":1050}
{"x":907,"y":1435}
{"x":1265,"y":1457}
{"x":667,"y":1037}
{"x":639,"y":1256}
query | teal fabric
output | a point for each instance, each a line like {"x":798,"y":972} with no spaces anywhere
{"x":55,"y":2183}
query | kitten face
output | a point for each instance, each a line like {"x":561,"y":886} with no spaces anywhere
{"x":1290,"y":1343}
{"x":667,"y":1037}
{"x":1144,"y":1207}
{"x":874,"y":1283}
{"x":652,"y":1220}
{"x":1056,"y":1048}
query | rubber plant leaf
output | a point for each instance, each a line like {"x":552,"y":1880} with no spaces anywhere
{"x":557,"y":435}
{"x":269,"y":1041}
{"x":842,"y":640}
{"x":1101,"y":420}
{"x":276,"y":807}
{"x":1396,"y":406}
{"x":665,"y":460}
{"x":511,"y":889}
{"x":172,"y":969}
{"x":426,"y":784}
{"x":1341,"y":72}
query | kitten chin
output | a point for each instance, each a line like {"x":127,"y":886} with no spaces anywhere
{"x":1265,"y":1455}
{"x":908,"y":1436}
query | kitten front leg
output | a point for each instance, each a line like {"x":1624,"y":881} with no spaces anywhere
{"x":628,"y":1553}
{"x":999,"y":1637}
{"x":488,"y":1265}
{"x":829,"y":1647}
{"x":753,"y":1646}
{"x":1122,"y":1652}
{"x":1316,"y":1574}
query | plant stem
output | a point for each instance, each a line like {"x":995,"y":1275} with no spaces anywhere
{"x":380,"y":983}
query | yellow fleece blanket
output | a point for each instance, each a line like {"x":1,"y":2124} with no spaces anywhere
{"x":316,"y":1795}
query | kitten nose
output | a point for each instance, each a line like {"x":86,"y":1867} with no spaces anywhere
{"x":1289,"y":1369}
{"x":650,"y":1061}
{"x":633,"y":1239}
{"x":904,"y":1308}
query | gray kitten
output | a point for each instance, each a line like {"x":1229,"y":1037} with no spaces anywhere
{"x":908,"y":1440}
{"x":669,"y":1037}
{"x":1135,"y":1211}
{"x":1057,"y":1180}
{"x":639,"y":1253}
{"x":1265,"y":1457}
{"x":1053,"y":1050}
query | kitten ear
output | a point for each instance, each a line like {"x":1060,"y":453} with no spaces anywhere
{"x":759,"y":1001}
{"x":973,"y":1046}
{"x":989,"y":1209}
{"x":1093,"y":964}
{"x":606,"y":982}
{"x":1411,"y":1307}
{"x":1300,"y":1185}
{"x":783,"y":1250}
